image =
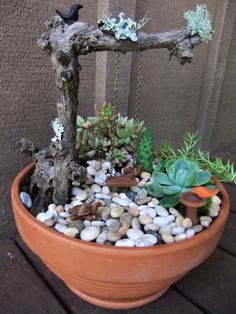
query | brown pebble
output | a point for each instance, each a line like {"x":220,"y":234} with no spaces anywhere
{"x":123,"y":230}
{"x":134,"y":211}
{"x":80,"y":210}
{"x":59,"y":209}
{"x":113,"y":236}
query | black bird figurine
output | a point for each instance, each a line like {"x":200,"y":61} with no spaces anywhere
{"x":73,"y":14}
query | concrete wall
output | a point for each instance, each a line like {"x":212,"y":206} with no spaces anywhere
{"x":174,"y":98}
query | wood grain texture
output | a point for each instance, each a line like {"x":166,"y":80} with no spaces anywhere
{"x":170,"y":303}
{"x":22,"y":291}
{"x":211,"y":286}
{"x":227,"y":241}
{"x":215,"y":70}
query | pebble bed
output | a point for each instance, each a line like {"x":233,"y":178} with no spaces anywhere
{"x":130,"y":218}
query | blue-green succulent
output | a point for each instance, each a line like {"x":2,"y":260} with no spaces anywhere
{"x":181,"y":176}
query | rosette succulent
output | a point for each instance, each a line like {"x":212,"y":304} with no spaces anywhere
{"x":181,"y":176}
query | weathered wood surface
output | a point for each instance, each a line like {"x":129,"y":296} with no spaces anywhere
{"x":21,"y":289}
{"x":211,"y":286}
{"x":228,"y":241}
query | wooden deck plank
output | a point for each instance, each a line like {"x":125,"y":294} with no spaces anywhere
{"x":228,"y":240}
{"x":231,"y":189}
{"x":211,"y":286}
{"x":171,"y":302}
{"x":22,"y":290}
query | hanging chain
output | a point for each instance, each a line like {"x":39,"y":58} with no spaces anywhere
{"x":137,"y":105}
{"x":115,"y":106}
{"x":116,"y":83}
{"x":138,"y":86}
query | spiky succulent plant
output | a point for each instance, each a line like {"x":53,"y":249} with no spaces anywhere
{"x":145,"y":152}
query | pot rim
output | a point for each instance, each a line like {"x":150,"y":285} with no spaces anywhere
{"x":160,"y":249}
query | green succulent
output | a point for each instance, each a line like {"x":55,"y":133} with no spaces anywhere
{"x":145,"y":152}
{"x":180,"y":176}
{"x":87,"y":144}
{"x":117,"y":156}
{"x":127,"y":131}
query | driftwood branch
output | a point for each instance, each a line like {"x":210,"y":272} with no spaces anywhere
{"x":84,"y":38}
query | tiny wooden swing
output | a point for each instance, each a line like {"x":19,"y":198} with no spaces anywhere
{"x":128,"y":179}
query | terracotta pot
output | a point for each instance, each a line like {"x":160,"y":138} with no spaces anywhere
{"x":114,"y":277}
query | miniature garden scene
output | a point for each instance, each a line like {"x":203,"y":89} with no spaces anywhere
{"x":118,"y":217}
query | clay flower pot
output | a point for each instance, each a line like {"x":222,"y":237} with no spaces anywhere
{"x":115,"y":277}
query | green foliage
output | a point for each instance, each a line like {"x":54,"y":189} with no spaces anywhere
{"x":95,"y":135}
{"x":145,"y":152}
{"x":199,"y":22}
{"x":125,"y":28}
{"x":117,"y":156}
{"x":180,"y":176}
{"x":223,"y":171}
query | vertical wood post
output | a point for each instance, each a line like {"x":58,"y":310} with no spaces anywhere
{"x":215,"y":69}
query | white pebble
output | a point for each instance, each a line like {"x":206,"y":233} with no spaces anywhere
{"x":122,"y":202}
{"x":165,"y":229}
{"x":186,"y":223}
{"x":144,"y":220}
{"x":105,"y":190}
{"x":123,"y":196}
{"x":76,"y":202}
{"x":171,"y":218}
{"x":96,"y":188}
{"x":102,"y":238}
{"x":167,"y":238}
{"x":145,"y":175}
{"x":67,"y":207}
{"x":44,"y":216}
{"x":71,"y":232}
{"x":180,"y":237}
{"x":216,"y":200}
{"x":100,"y":178}
{"x":148,"y":212}
{"x":151,"y":204}
{"x":179,"y":220}
{"x":91,"y":171}
{"x":64,"y":215}
{"x":90,"y":233}
{"x":135,"y":189}
{"x":205,"y":221}
{"x":106,"y":165}
{"x":174,"y":212}
{"x":161,"y":211}
{"x":134,"y":234}
{"x":177,"y":230}
{"x":141,"y":183}
{"x":26,"y":199}
{"x":148,"y":237}
{"x":143,"y":243}
{"x":98,"y":223}
{"x":60,"y":227}
{"x":197,"y":228}
{"x":52,"y":206}
{"x":125,"y":243}
{"x":151,"y":226}
{"x":86,"y":223}
{"x":116,"y":212}
{"x":190,"y":233}
{"x":161,"y":221}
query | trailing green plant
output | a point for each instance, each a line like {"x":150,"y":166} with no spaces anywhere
{"x":223,"y":171}
{"x":96,"y":135}
{"x":181,"y":176}
{"x":125,"y":28}
{"x":145,"y":151}
{"x":199,"y":22}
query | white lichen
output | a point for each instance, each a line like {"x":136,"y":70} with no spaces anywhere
{"x":199,"y":22}
{"x":125,"y":28}
{"x":58,"y":130}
